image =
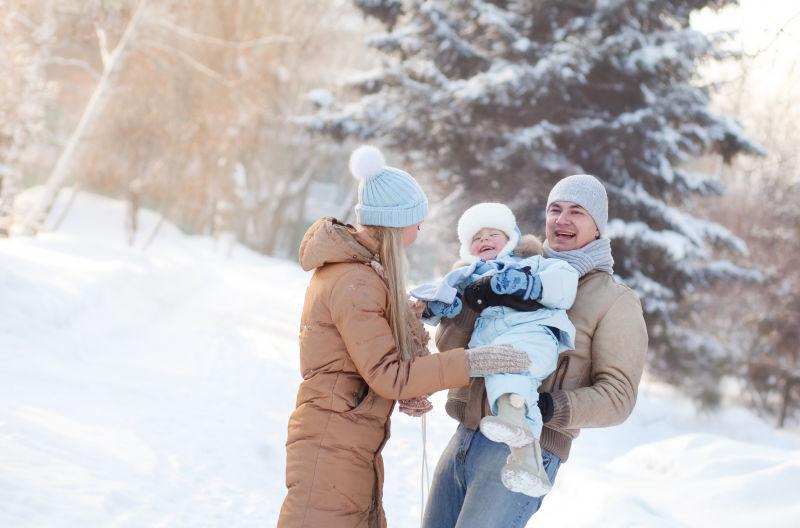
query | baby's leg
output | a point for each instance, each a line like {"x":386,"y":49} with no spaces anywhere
{"x":508,"y":425}
{"x":518,"y":411}
{"x":524,"y":471}
{"x":542,"y":348}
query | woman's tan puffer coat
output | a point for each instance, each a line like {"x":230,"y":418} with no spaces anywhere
{"x":352,"y":375}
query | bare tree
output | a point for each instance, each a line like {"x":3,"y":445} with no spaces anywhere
{"x":60,"y":172}
{"x":192,"y":105}
{"x":27,"y":37}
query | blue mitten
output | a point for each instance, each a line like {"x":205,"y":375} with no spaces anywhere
{"x":518,"y":282}
{"x":442,"y":309}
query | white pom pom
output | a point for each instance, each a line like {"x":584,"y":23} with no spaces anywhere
{"x":366,"y":161}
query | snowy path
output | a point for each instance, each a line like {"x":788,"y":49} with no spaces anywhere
{"x":152,"y":389}
{"x":142,"y":389}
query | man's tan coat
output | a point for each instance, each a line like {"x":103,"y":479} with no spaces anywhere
{"x":593,"y":385}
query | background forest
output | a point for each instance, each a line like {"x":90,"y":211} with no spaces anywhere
{"x":234,"y":119}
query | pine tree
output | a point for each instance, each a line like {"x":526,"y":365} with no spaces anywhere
{"x":500,"y":99}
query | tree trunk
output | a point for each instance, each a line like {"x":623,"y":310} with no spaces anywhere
{"x":38,"y":213}
{"x":154,"y":233}
{"x":67,"y":207}
{"x":786,"y":399}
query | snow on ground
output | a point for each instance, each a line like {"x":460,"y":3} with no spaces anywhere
{"x":152,"y":389}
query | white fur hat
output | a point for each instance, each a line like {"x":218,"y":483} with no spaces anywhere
{"x":487,"y":214}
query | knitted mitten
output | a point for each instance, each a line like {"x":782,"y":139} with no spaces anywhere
{"x":480,"y":295}
{"x":415,"y":407}
{"x":524,"y":471}
{"x":442,"y":309}
{"x":519,"y":282}
{"x":509,"y":426}
{"x":496,"y":359}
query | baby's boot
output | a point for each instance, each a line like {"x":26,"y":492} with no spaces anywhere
{"x":509,"y":426}
{"x":524,"y":471}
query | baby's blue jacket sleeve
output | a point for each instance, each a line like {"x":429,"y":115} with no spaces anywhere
{"x":445,"y":290}
{"x":559,"y":280}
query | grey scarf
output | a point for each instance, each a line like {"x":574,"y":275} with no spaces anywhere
{"x":596,"y":255}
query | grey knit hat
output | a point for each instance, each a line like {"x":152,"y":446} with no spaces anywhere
{"x":586,"y":191}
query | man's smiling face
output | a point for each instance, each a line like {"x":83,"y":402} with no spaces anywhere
{"x":569,"y":226}
{"x":487,"y":243}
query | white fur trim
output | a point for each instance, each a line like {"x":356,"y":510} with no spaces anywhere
{"x":528,"y":246}
{"x":487,"y":214}
{"x":366,"y":161}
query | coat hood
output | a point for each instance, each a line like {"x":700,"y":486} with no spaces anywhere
{"x":329,"y":241}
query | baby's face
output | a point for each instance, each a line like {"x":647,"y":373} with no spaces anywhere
{"x":487,"y":243}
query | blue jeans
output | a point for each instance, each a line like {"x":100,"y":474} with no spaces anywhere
{"x":467,"y":492}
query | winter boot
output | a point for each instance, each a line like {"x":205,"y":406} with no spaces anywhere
{"x":524,"y":471}
{"x":509,"y":426}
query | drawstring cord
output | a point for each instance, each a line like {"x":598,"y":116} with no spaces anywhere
{"x":425,"y":477}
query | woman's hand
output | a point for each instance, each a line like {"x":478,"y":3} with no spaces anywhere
{"x":415,"y":406}
{"x":496,"y":359}
{"x":418,"y":307}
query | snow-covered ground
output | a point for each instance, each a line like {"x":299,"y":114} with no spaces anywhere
{"x":152,"y":389}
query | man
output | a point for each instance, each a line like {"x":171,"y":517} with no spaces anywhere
{"x":593,"y":385}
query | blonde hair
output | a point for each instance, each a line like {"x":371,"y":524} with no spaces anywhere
{"x":392,"y":256}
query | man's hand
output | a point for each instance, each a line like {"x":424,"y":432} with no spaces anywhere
{"x":545,"y":406}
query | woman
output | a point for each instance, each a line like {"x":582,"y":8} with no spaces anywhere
{"x":362,"y":348}
{"x":593,"y":385}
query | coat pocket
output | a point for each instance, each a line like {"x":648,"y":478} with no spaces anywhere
{"x":563,"y":372}
{"x":559,"y":374}
{"x":360,"y":395}
{"x":358,"y":400}
{"x":363,"y":399}
{"x":577,"y":375}
{"x":350,"y":393}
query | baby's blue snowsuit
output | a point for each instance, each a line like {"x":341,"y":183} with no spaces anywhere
{"x":543,"y":333}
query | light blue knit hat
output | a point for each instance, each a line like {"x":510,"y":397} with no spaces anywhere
{"x":586,"y":191}
{"x":387,"y":196}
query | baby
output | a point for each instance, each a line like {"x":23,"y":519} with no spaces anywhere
{"x":489,"y":240}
